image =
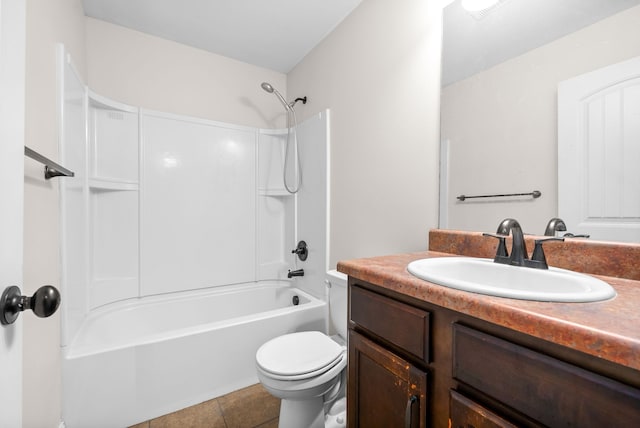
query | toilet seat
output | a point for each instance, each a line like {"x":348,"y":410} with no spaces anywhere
{"x":298,"y":356}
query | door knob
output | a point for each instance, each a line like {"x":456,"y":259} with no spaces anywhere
{"x":44,"y":302}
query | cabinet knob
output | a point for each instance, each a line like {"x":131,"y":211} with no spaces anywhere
{"x":44,"y":302}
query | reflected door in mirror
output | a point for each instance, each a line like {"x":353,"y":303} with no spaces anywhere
{"x":599,"y":152}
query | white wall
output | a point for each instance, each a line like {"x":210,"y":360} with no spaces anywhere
{"x":379,"y":73}
{"x":502,"y":124}
{"x":48,"y":23}
{"x":149,"y":72}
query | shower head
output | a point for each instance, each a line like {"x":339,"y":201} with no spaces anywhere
{"x":270,"y":89}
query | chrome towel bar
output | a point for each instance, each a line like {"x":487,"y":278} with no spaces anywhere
{"x":51,"y":169}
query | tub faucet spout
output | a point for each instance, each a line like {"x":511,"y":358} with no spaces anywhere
{"x":292,"y":273}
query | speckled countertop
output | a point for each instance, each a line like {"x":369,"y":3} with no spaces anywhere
{"x":609,"y":329}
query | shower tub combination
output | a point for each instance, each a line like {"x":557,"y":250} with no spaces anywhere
{"x":165,"y":306}
{"x":139,"y":359}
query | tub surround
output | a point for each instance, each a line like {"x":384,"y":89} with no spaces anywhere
{"x":137,"y":169}
{"x":607,"y":330}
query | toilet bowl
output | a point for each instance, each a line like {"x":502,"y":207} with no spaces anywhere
{"x":306,"y":369}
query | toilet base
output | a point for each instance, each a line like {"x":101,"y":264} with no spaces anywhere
{"x":302,"y":413}
{"x":336,"y":415}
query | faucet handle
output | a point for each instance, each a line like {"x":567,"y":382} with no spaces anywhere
{"x":571,"y":235}
{"x":538,"y":257}
{"x":502,"y":246}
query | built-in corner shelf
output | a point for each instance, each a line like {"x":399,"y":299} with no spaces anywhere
{"x":274,"y":192}
{"x":111,"y":184}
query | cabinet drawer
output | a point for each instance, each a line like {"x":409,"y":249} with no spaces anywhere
{"x":467,"y":414}
{"x":401,"y":324}
{"x":548,"y":390}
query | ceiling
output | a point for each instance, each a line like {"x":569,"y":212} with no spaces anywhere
{"x":275,"y":34}
{"x":472,"y":44}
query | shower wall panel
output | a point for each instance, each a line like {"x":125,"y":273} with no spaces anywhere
{"x":114,"y":245}
{"x":313,"y":201}
{"x":276,"y":208}
{"x":285,"y":218}
{"x":73,"y":196}
{"x":113,"y":200}
{"x":198,"y":204}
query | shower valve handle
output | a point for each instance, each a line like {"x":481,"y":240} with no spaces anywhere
{"x":44,"y":302}
{"x":301,"y":250}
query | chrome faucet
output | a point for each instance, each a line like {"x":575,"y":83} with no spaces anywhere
{"x":555,"y":225}
{"x":519,"y":255}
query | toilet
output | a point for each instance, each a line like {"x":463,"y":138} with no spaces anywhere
{"x":306,"y":370}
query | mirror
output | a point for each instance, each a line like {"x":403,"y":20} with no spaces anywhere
{"x":499,"y":127}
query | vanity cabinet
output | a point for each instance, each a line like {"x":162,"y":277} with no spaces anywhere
{"x":469,"y":373}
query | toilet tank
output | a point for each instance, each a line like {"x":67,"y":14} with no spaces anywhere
{"x":337,"y":291}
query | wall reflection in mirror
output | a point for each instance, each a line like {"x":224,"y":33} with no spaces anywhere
{"x":499,"y":116}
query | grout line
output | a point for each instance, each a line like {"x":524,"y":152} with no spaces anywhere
{"x":224,"y":418}
{"x":264,"y":423}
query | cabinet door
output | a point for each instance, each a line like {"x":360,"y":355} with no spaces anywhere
{"x":384,"y":390}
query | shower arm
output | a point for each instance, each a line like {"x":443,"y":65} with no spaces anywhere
{"x":303,"y":99}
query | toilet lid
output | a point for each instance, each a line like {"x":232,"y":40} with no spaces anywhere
{"x":299,"y":353}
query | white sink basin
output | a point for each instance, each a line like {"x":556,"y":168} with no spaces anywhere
{"x":486,"y":277}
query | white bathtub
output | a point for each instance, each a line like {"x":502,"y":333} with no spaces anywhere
{"x":137,"y":360}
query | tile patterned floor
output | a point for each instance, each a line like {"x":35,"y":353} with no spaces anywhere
{"x":251,"y":407}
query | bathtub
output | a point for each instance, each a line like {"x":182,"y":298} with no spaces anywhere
{"x":136,"y":360}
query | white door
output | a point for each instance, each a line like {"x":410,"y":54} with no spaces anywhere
{"x":599,"y":152}
{"x":12,"y":35}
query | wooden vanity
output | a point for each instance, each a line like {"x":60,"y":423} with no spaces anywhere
{"x":423,"y":355}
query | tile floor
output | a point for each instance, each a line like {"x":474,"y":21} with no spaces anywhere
{"x":251,"y":407}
